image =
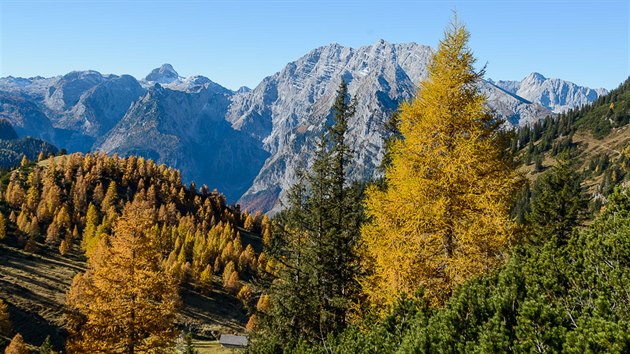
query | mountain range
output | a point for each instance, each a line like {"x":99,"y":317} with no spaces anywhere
{"x":248,"y":143}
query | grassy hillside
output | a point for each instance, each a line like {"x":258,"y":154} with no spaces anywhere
{"x":595,"y":138}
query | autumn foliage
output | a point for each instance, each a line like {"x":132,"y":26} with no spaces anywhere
{"x":443,"y":216}
{"x":126,"y":300}
{"x":100,"y":206}
{"x":17,"y":346}
{"x":75,"y":200}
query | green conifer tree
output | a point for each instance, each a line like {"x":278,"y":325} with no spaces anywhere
{"x":46,"y":347}
{"x":558,"y":205}
{"x":315,"y":244}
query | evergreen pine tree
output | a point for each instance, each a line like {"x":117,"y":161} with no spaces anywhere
{"x":392,"y":134}
{"x":339,"y":259}
{"x":188,"y":345}
{"x":558,"y":205}
{"x":46,"y":347}
{"x":315,"y":243}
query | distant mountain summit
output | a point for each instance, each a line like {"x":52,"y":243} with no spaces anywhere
{"x":163,"y":75}
{"x":249,"y":143}
{"x":167,"y":77}
{"x":556,"y":95}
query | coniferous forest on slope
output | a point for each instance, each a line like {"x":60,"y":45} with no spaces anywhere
{"x":477,"y":239}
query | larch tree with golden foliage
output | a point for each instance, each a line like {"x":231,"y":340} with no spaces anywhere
{"x":17,"y":346}
{"x":443,"y":215}
{"x":125,"y":302}
{"x":3,"y":227}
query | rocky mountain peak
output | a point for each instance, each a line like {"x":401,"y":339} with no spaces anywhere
{"x":555,"y":94}
{"x":534,"y":78}
{"x":289,"y":110}
{"x":90,"y":76}
{"x":67,"y":91}
{"x":243,"y":89}
{"x":163,"y":75}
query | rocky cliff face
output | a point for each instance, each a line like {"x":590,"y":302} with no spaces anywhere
{"x":102,"y":106}
{"x":72,"y":110}
{"x":188,"y":131}
{"x":249,"y":143}
{"x":514,"y":109}
{"x":288,"y":111}
{"x":556,"y":95}
{"x":67,"y":91}
{"x":26,"y":117}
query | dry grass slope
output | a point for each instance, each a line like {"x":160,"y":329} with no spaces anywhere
{"x":613,"y":144}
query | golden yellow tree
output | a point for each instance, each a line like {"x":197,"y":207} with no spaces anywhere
{"x":110,"y":197}
{"x":249,"y":222}
{"x":245,"y":294}
{"x":125,"y":302}
{"x":90,"y":236}
{"x":17,"y":346}
{"x":205,"y":279}
{"x":251,"y":323}
{"x":3,"y":227}
{"x":443,"y":215}
{"x":64,"y":247}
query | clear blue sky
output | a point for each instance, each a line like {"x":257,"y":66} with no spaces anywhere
{"x":239,"y":42}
